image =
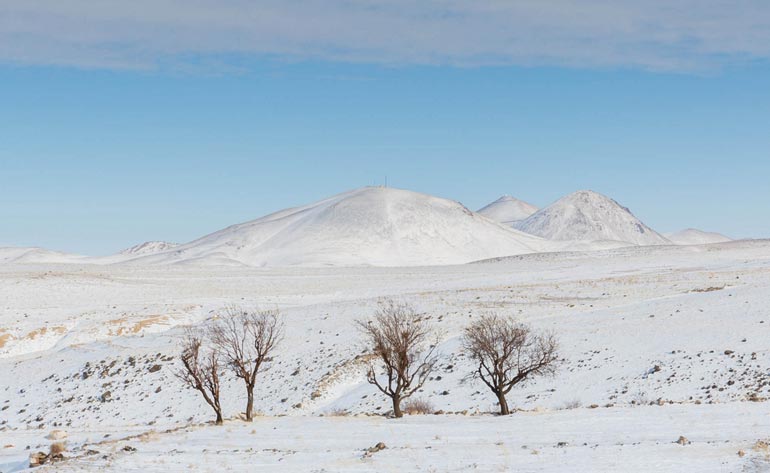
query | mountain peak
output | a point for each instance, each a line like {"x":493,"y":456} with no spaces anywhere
{"x":507,"y":210}
{"x":589,"y":215}
{"x":588,"y":196}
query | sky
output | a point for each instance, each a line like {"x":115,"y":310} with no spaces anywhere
{"x":122,"y":122}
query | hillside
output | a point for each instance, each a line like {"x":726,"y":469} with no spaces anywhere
{"x":148,"y":248}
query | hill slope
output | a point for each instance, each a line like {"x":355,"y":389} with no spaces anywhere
{"x":368,"y":226}
{"x":507,"y":210}
{"x":588,"y":215}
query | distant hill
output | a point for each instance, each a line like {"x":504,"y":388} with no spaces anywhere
{"x":693,"y":236}
{"x":508,"y":210}
{"x":588,"y":215}
{"x":369,"y":226}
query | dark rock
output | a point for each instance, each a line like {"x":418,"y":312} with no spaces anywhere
{"x":377,"y":448}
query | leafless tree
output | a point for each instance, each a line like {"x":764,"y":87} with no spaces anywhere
{"x":201,"y":369}
{"x":399,"y":339}
{"x":508,"y":353}
{"x":246,"y":340}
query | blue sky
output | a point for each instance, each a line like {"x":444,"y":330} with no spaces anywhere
{"x":177,"y":142}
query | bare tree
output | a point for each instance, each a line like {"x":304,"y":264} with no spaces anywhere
{"x":246,"y":340}
{"x":201,"y":369}
{"x":398,"y":337}
{"x":508,"y":353}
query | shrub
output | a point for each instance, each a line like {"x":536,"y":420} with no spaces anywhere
{"x":574,"y":404}
{"x":418,"y":406}
{"x":57,"y":448}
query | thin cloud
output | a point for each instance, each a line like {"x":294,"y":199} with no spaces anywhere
{"x":653,"y":34}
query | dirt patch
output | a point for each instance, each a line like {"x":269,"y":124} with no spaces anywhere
{"x":709,"y":289}
{"x":44,"y":330}
{"x":4,"y":339}
{"x":136,"y":327}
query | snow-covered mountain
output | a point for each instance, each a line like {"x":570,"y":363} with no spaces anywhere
{"x":33,"y":255}
{"x":588,"y":215}
{"x":508,"y":210}
{"x":693,"y":236}
{"x":390,"y":227}
{"x":368,"y":226}
{"x":149,"y":248}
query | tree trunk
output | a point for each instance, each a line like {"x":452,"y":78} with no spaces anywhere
{"x":397,"y":407}
{"x":250,"y":404}
{"x":219,"y":418}
{"x":504,"y":411}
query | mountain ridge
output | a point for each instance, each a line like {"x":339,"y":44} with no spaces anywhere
{"x":367,"y":226}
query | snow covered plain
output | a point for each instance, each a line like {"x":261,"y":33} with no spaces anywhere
{"x":657,"y":342}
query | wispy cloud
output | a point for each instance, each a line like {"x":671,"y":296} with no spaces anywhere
{"x":649,"y":34}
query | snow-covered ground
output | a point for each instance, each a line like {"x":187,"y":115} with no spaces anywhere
{"x":656,"y":342}
{"x":601,"y":440}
